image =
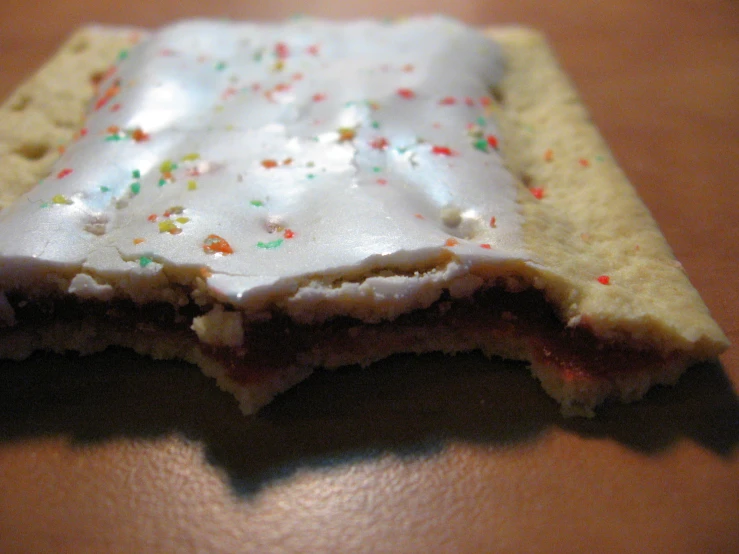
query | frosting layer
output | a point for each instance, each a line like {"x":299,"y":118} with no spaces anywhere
{"x":266,"y":157}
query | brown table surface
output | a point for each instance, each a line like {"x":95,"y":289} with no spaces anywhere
{"x":115,"y":454}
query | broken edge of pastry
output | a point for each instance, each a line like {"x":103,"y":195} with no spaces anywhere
{"x":605,"y":276}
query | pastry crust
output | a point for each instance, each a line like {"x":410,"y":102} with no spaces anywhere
{"x":570,"y":189}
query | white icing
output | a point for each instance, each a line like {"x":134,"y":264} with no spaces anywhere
{"x":84,"y":286}
{"x":355,"y":118}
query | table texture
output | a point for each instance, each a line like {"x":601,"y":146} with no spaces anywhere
{"x":111,"y":454}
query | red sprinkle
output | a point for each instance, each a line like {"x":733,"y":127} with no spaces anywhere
{"x":319,"y":97}
{"x":406,"y":93}
{"x":139,"y":136}
{"x":492,"y":221}
{"x":469,"y":101}
{"x":537,"y":192}
{"x":63,"y":173}
{"x":289,"y":234}
{"x":281,"y":50}
{"x":381,"y":181}
{"x":152,"y":218}
{"x":442,"y":150}
{"x":313,"y":49}
{"x":604,"y":280}
{"x":448,"y":101}
{"x":583,"y":162}
{"x":486,"y":246}
{"x":493,"y":141}
{"x":379,"y":143}
{"x":485,"y":101}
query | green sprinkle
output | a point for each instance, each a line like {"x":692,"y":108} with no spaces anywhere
{"x":375,"y":124}
{"x":110,"y":138}
{"x":270,"y":245}
{"x":45,"y":205}
{"x":311,"y":176}
{"x":135,"y":188}
{"x":122,"y":55}
{"x":104,"y":189}
{"x":599,"y":158}
{"x":258,"y":55}
{"x":162,"y":182}
{"x":257,"y":203}
{"x":136,"y":174}
{"x":144,"y":261}
{"x":376,"y":169}
{"x":481,"y":145}
{"x":481,"y":121}
{"x":220,"y":66}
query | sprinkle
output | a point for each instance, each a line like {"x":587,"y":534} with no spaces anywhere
{"x":604,"y":280}
{"x":379,"y":143}
{"x":174,"y":210}
{"x":168,"y":226}
{"x":599,"y":158}
{"x":583,"y":162}
{"x":313,"y":49}
{"x":319,"y":97}
{"x":115,"y":107}
{"x":376,"y":169}
{"x":548,"y":155}
{"x":441,"y":150}
{"x":269,"y":164}
{"x":270,"y":245}
{"x":406,"y":93}
{"x":375,"y":124}
{"x":122,"y":55}
{"x":481,"y":121}
{"x":297,"y":76}
{"x":220,"y":66}
{"x":382,"y":181}
{"x":408,"y":67}
{"x":493,"y":141}
{"x":167,"y":166}
{"x":289,"y":234}
{"x":60,"y":199}
{"x":486,"y":101}
{"x":161,"y":182}
{"x":152,"y":218}
{"x":214,"y":244}
{"x":257,"y":203}
{"x":537,"y":192}
{"x":104,"y":189}
{"x":138,"y":240}
{"x":63,"y":173}
{"x":281,"y":50}
{"x":451,"y":242}
{"x":448,"y":101}
{"x":287,"y":161}
{"x":418,"y":216}
{"x":346,"y":133}
{"x":138,"y":135}
{"x":144,"y":261}
{"x":492,"y":222}
{"x":486,"y":246}
{"x":191,"y":157}
{"x":136,"y":174}
{"x":192,"y":185}
{"x":182,"y":220}
{"x":481,"y":145}
{"x":135,"y":188}
{"x":311,"y":176}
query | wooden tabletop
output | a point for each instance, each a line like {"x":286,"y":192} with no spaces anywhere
{"x":112,"y":454}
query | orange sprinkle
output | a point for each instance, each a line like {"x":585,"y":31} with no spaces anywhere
{"x":139,"y":136}
{"x":548,"y":155}
{"x":583,"y":162}
{"x":138,"y":240}
{"x":152,"y":218}
{"x":215,"y":244}
{"x":269,"y":164}
{"x":451,"y":242}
